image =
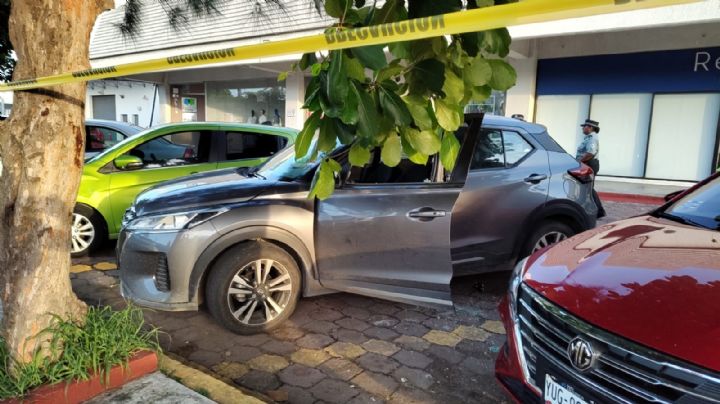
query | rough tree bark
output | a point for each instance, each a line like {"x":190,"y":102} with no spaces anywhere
{"x":41,"y":157}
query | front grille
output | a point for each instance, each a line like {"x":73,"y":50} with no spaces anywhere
{"x":625,"y":372}
{"x":162,"y":275}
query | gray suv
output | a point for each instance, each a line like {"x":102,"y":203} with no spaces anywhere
{"x":248,"y":243}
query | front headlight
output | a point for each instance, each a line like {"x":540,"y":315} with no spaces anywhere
{"x":176,"y":221}
{"x":515,"y":281}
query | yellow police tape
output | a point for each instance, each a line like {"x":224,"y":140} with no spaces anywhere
{"x":523,"y":12}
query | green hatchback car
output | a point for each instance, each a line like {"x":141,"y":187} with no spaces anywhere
{"x":112,"y":179}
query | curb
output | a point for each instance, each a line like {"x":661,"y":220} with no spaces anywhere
{"x":77,"y":391}
{"x":631,"y":198}
{"x":198,"y":378}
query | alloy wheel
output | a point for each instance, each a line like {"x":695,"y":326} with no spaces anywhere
{"x":259,"y":292}
{"x":83,"y":233}
{"x":548,"y":239}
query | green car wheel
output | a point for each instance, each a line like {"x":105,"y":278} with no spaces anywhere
{"x":88,"y":231}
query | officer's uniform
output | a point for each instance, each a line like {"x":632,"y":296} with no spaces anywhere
{"x":590,"y":144}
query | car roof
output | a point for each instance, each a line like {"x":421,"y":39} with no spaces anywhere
{"x":501,"y":121}
{"x":230,"y":125}
{"x":124,"y":127}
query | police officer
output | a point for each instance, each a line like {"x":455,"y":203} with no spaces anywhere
{"x":589,"y":148}
{"x":588,"y":152}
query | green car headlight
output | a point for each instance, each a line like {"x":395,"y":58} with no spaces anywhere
{"x":176,"y":221}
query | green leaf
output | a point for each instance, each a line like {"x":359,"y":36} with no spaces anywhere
{"x":372,"y":57}
{"x":449,"y":151}
{"x":283,"y":76}
{"x":391,"y":151}
{"x":439,"y":45}
{"x":454,"y":88}
{"x":481,"y":93}
{"x":496,"y":41}
{"x":352,"y":17}
{"x":349,"y":112}
{"x":479,"y":72}
{"x":391,"y":11}
{"x":354,"y":69}
{"x":393,"y":105}
{"x":337,"y":8}
{"x":334,"y":165}
{"x":426,"y":142}
{"x":428,"y":75}
{"x":470,"y":43}
{"x":304,"y":138}
{"x":400,"y":50}
{"x":328,"y":135}
{"x":345,"y":132}
{"x":389,"y":71}
{"x":368,"y":123}
{"x":484,"y":3}
{"x":359,"y":156}
{"x":503,"y":76}
{"x":323,"y":183}
{"x":412,"y":154}
{"x":447,"y":115}
{"x":418,"y":9}
{"x":418,"y":108}
{"x":312,"y":99}
{"x":307,"y":60}
{"x":337,"y":82}
{"x":316,"y":69}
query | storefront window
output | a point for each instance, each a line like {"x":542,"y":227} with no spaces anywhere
{"x":494,"y":105}
{"x":683,"y":126}
{"x":259,"y":101}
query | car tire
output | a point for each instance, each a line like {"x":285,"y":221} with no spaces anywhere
{"x":257,"y":306}
{"x":546,"y":233}
{"x":88,"y":231}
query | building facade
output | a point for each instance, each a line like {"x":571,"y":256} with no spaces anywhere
{"x":651,"y":77}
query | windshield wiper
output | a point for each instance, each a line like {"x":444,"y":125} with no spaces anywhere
{"x":683,"y":220}
{"x":253,"y":172}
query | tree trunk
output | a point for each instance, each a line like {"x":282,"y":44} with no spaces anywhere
{"x":41,"y":158}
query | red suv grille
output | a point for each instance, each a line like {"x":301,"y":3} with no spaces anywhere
{"x":624,"y":371}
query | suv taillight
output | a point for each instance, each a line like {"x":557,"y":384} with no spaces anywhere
{"x":584,"y":174}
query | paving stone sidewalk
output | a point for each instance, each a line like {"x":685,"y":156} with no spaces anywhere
{"x":345,"y":348}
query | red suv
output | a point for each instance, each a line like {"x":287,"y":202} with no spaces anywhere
{"x":627,"y":312}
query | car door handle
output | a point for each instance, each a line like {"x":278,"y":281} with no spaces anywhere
{"x":426,"y":214}
{"x":536,"y":178}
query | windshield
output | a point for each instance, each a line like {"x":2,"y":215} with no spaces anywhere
{"x":700,"y":208}
{"x":284,"y":167}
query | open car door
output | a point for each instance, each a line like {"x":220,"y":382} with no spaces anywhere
{"x":386,"y":232}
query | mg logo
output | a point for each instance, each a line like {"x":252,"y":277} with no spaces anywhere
{"x":581,"y":354}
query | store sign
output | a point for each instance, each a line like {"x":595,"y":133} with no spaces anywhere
{"x":706,"y":61}
{"x":189,"y":109}
{"x":690,"y":70}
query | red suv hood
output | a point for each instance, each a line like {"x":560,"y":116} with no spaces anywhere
{"x":649,"y":280}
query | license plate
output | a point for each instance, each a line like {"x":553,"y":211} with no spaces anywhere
{"x":555,"y":393}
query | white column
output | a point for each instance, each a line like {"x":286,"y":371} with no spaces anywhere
{"x":294,"y":100}
{"x":163,"y":108}
{"x":521,"y":98}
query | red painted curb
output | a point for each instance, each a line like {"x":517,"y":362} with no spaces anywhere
{"x":75,"y":392}
{"x":630,"y":198}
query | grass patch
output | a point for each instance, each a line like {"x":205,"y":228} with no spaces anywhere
{"x":203,"y":392}
{"x":107,"y":338}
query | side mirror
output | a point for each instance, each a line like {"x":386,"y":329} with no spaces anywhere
{"x":127,"y":162}
{"x":669,"y":197}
